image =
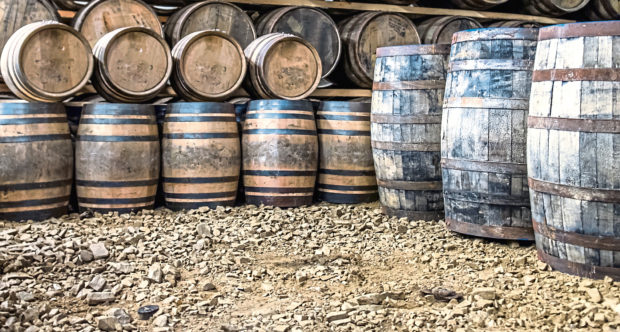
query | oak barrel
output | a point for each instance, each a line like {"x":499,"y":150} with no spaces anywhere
{"x":553,"y":7}
{"x":604,"y":10}
{"x":439,"y":30}
{"x":313,"y":25}
{"x":477,"y":4}
{"x":46,"y":62}
{"x":514,"y":24}
{"x":208,"y":65}
{"x":483,"y":139}
{"x":280,"y":153}
{"x":36,"y":168}
{"x":241,"y":106}
{"x":201,"y":155}
{"x":574,"y":148}
{"x":405,"y":127}
{"x":117,"y":158}
{"x":346,"y":169}
{"x":101,"y":17}
{"x":70,"y":4}
{"x":211,"y":15}
{"x":282,"y":66}
{"x":132,"y":65}
{"x":364,"y":33}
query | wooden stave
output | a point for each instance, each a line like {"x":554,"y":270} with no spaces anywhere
{"x":24,"y":198}
{"x":305,"y":145}
{"x":183,"y":88}
{"x":12,"y":69}
{"x":582,"y":244}
{"x":416,"y":183}
{"x":99,"y":188}
{"x":547,"y":7}
{"x":431,"y":29}
{"x":346,"y":187}
{"x":210,"y":190}
{"x":515,"y":207}
{"x":477,"y":4}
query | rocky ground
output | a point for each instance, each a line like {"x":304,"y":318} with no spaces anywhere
{"x":322,"y":268}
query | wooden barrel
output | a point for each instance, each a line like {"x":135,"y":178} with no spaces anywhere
{"x":553,"y":7}
{"x":132,"y":65}
{"x":117,"y":158}
{"x":36,"y":168}
{"x":100,"y":17}
{"x":46,"y":61}
{"x":477,"y":4}
{"x":208,"y":65}
{"x":311,"y":24}
{"x":282,"y":66}
{"x":280,"y":153}
{"x":70,"y":4}
{"x":211,"y":15}
{"x":346,"y":169}
{"x":573,"y":148}
{"x":405,"y":127}
{"x":364,"y":33}
{"x":241,"y":106}
{"x":439,"y":30}
{"x":201,"y":155}
{"x":603,"y":10}
{"x":514,"y":24}
{"x":484,"y":133}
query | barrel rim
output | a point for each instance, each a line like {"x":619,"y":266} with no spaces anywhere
{"x":267,"y":104}
{"x":495,"y":34}
{"x":580,"y":29}
{"x":420,"y":49}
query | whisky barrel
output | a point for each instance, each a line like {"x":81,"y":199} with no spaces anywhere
{"x":282,"y":66}
{"x":280,"y":153}
{"x":201,"y":155}
{"x":117,"y":158}
{"x":15,"y":14}
{"x":70,"y":4}
{"x":603,"y":10}
{"x":46,"y":61}
{"x":346,"y":169}
{"x":477,"y":4}
{"x":36,"y":168}
{"x":573,"y":150}
{"x":439,"y":30}
{"x":208,"y":65}
{"x":211,"y":15}
{"x":364,"y":33}
{"x":241,"y":106}
{"x":483,"y":139}
{"x":553,"y":7}
{"x":132,"y":65}
{"x":514,"y":24}
{"x":405,"y":127}
{"x":311,"y":24}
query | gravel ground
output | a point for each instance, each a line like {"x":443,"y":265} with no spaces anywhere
{"x":320,"y":268}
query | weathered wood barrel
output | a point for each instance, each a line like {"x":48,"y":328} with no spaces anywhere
{"x":311,"y":24}
{"x":483,"y":139}
{"x":282,"y":66}
{"x":132,"y":65}
{"x":364,"y":33}
{"x":70,"y":4}
{"x":514,"y":24}
{"x":46,"y":62}
{"x":439,"y":30}
{"x":117,"y":158}
{"x":603,"y":10}
{"x":211,"y":15}
{"x":208,"y":65}
{"x":36,"y":168}
{"x":280,"y":153}
{"x":477,"y":4}
{"x":241,"y":106}
{"x":201,"y":155}
{"x":405,"y":127}
{"x":346,"y":169}
{"x":553,"y":7}
{"x":574,"y":150}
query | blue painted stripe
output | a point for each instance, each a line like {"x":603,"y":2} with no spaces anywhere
{"x":279,"y":190}
{"x":343,"y":117}
{"x":201,"y":135}
{"x":344,"y":132}
{"x":150,"y":120}
{"x":34,"y":138}
{"x":343,"y":172}
{"x":279,"y":173}
{"x":32,"y":121}
{"x":116,"y":184}
{"x":264,"y":115}
{"x":223,"y":179}
{"x":102,"y":138}
{"x":200,"y":119}
{"x":110,"y":201}
{"x":347,"y":188}
{"x":279,"y":132}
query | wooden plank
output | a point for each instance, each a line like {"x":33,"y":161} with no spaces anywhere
{"x":68,"y":14}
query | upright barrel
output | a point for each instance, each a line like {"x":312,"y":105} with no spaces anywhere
{"x":574,"y":148}
{"x":36,"y":167}
{"x":483,"y":139}
{"x":280,"y":153}
{"x":117,"y":158}
{"x":405,"y":127}
{"x":439,"y":30}
{"x":346,"y":169}
{"x":201,"y":155}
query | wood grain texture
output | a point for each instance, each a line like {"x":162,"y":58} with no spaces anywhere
{"x":405,"y":128}
{"x":117,"y":155}
{"x":483,"y":138}
{"x":439,"y":30}
{"x":574,"y":158}
{"x":36,"y":168}
{"x":15,"y":14}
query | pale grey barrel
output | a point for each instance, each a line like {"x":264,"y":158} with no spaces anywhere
{"x":574,"y":148}
{"x":484,"y":133}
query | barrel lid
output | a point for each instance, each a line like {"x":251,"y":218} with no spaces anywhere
{"x":344,"y":106}
{"x":200,"y":107}
{"x":495,"y":34}
{"x":280,"y":104}
{"x":581,"y":29}
{"x":424,"y":49}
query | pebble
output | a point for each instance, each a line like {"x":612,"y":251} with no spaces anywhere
{"x":155,"y":273}
{"x":95,"y":298}
{"x":107,"y":323}
{"x":99,"y":251}
{"x":160,"y":321}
